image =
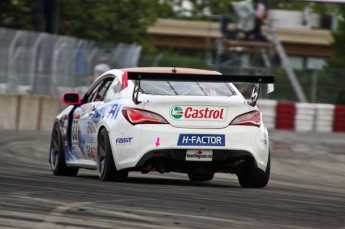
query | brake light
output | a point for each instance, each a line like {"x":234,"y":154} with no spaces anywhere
{"x":252,"y":118}
{"x":139,"y":116}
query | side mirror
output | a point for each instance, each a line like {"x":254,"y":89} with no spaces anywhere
{"x":71,"y":98}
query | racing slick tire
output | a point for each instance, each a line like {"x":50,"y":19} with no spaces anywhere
{"x":255,"y":178}
{"x":105,"y":161}
{"x":200,"y":176}
{"x":57,"y":155}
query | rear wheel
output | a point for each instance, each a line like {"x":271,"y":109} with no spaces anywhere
{"x":105,"y":161}
{"x":57,"y":155}
{"x":200,"y":176}
{"x":255,"y":178}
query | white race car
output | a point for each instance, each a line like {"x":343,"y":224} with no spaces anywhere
{"x":167,"y":120}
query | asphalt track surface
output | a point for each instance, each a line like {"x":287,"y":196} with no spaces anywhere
{"x":306,"y":190}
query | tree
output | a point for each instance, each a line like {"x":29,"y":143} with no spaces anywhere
{"x":107,"y":20}
{"x":338,"y":43}
{"x":17,"y":14}
{"x":101,"y":20}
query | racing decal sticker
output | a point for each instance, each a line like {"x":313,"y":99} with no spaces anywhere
{"x":264,"y":141}
{"x":124,"y":80}
{"x":92,"y":124}
{"x":76,"y":115}
{"x":198,"y":113}
{"x":113,"y":111}
{"x":123,"y":141}
{"x":199,"y":155}
{"x":201,"y":140}
{"x":91,"y":150}
{"x":75,"y":131}
{"x":64,"y":124}
{"x":157,"y":143}
{"x":95,"y":106}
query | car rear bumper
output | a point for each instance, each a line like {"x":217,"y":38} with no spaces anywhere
{"x":165,"y":141}
{"x":230,"y":161}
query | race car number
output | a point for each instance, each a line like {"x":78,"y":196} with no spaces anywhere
{"x":75,"y":131}
{"x":199,"y":155}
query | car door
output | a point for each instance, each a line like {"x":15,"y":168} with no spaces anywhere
{"x":82,"y":128}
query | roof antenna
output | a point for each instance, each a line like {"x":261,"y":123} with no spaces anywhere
{"x":174,"y":70}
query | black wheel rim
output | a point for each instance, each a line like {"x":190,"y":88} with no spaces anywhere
{"x":101,"y":154}
{"x":54,"y":149}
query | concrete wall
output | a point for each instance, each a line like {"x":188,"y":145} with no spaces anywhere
{"x":28,"y":112}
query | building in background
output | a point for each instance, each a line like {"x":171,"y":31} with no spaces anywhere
{"x":305,"y":36}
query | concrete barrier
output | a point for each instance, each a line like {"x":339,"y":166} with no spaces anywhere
{"x":50,"y":108}
{"x":339,"y":118}
{"x":324,"y":117}
{"x":32,"y":112}
{"x":304,"y":118}
{"x":285,"y":117}
{"x":8,"y":111}
{"x":28,"y":112}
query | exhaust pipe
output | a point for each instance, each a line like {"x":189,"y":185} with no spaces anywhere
{"x":241,"y":163}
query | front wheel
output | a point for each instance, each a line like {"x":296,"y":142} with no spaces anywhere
{"x":255,"y":178}
{"x":105,"y":161}
{"x":200,"y":176}
{"x":57,"y":155}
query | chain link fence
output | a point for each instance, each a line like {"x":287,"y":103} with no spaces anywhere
{"x":47,"y":64}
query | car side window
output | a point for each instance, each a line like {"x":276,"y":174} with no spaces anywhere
{"x":102,"y":91}
{"x":94,"y":92}
{"x":115,"y":88}
{"x":99,"y":91}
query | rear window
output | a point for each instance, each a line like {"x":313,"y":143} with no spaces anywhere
{"x":186,"y":88}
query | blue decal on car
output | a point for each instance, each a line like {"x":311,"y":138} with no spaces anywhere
{"x":201,"y":140}
{"x":123,"y":141}
{"x":114,"y":110}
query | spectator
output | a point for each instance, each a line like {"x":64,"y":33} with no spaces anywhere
{"x":260,"y":11}
{"x":307,"y":15}
{"x":101,"y":67}
{"x":245,"y":14}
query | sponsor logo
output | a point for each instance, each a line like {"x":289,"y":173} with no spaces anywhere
{"x":198,"y":113}
{"x":123,"y":141}
{"x":91,"y":150}
{"x":113,"y":110}
{"x":264,"y":141}
{"x":176,"y":112}
{"x":201,"y":140}
{"x":198,"y":155}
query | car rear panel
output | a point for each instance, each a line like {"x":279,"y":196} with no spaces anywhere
{"x":197,"y":111}
{"x":149,"y":137}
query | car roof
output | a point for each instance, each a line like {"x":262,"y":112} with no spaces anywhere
{"x":170,"y":70}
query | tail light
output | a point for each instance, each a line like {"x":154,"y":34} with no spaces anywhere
{"x":252,"y":118}
{"x":139,"y":116}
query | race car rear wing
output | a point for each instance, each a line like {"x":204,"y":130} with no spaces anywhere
{"x":138,"y":76}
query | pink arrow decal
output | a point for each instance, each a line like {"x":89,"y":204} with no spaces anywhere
{"x":157,"y":142}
